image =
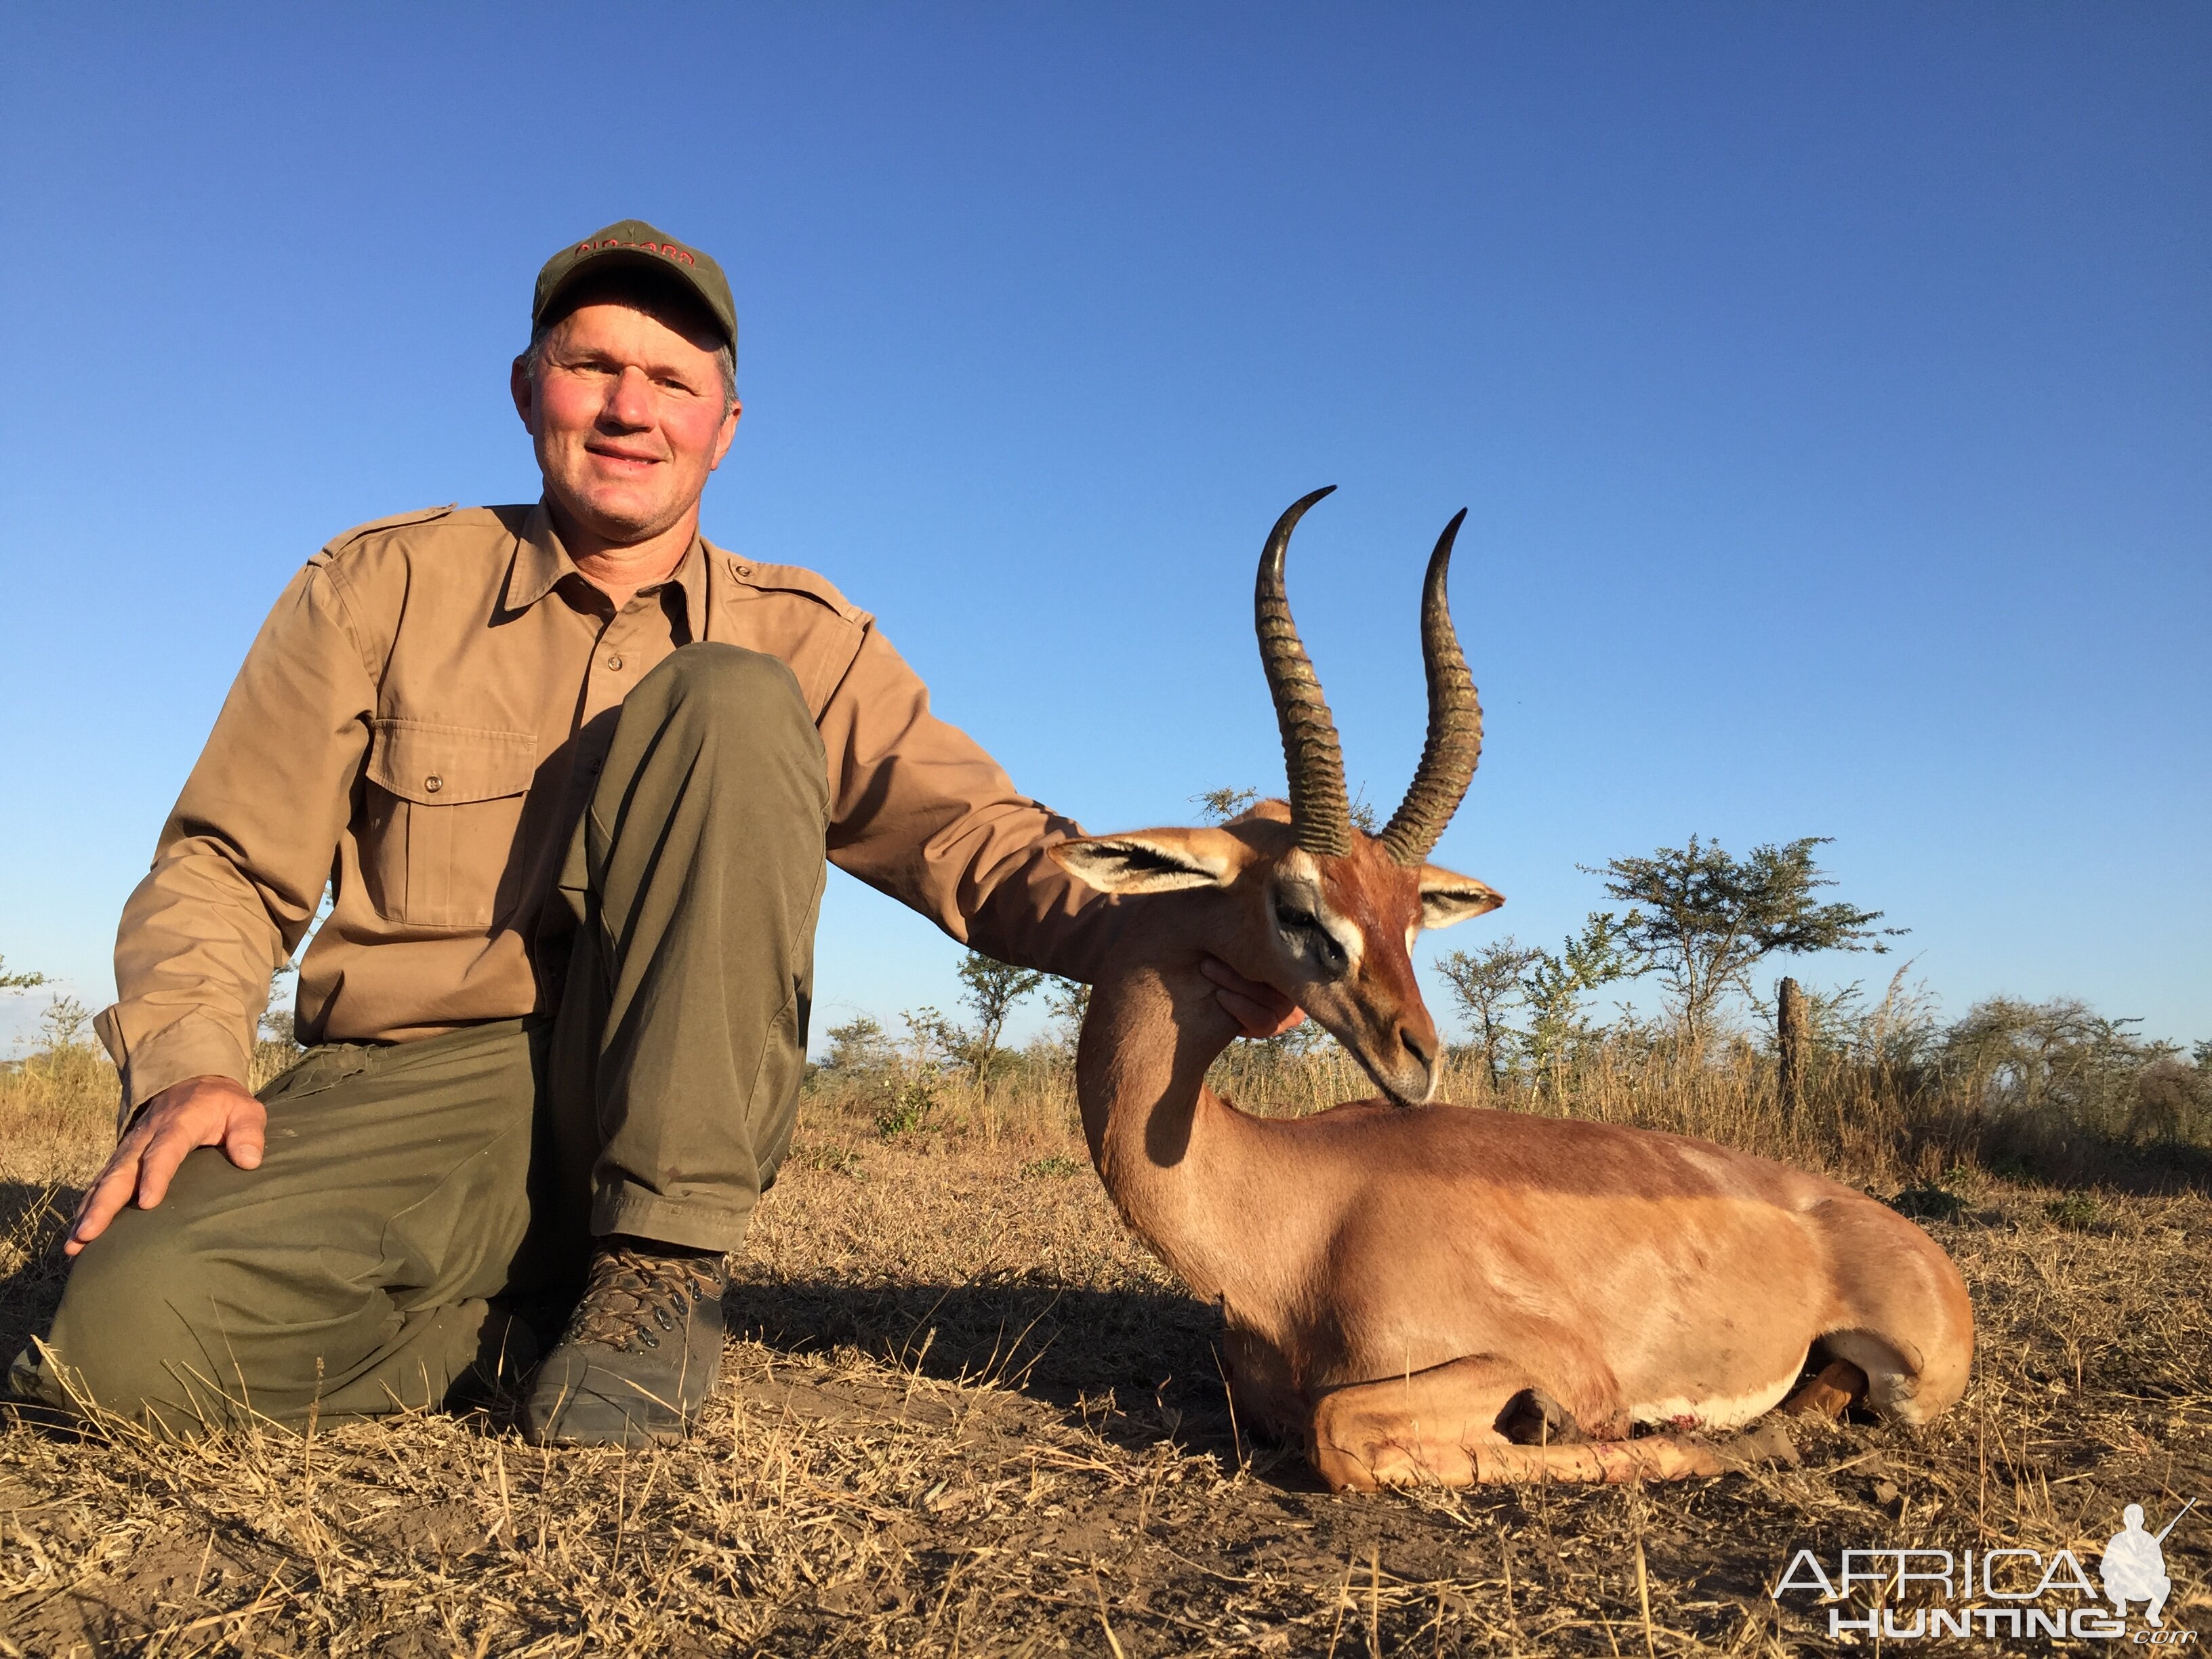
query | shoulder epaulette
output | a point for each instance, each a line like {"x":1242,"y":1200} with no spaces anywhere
{"x":396,"y":521}
{"x":789,"y":579}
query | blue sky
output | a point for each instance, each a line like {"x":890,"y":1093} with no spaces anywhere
{"x":1828,"y":386}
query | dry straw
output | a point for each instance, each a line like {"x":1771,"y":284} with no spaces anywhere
{"x":965,"y":1411}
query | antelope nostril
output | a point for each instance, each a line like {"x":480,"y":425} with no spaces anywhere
{"x":1412,"y":1046}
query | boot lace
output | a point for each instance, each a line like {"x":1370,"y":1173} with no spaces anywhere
{"x":633,"y":1298}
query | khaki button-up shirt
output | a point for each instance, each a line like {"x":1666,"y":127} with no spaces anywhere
{"x":418,"y":725}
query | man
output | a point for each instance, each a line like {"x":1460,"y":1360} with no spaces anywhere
{"x":570,"y":772}
{"x":2134,"y":1567}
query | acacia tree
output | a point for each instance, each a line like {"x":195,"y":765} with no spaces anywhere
{"x":858,"y":1047}
{"x":991,"y":988}
{"x":1485,"y":983}
{"x":1554,"y":987}
{"x":18,"y":982}
{"x":279,"y":1019}
{"x":1223,"y":803}
{"x":1702,"y":919}
{"x":1069,"y":1000}
{"x":2033,"y":1056}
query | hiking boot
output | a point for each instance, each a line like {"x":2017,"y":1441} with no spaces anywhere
{"x":641,"y":1351}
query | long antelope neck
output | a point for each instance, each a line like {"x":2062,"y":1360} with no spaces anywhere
{"x":1152,"y":1029}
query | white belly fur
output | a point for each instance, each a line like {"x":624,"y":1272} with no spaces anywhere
{"x":1716,"y":1412}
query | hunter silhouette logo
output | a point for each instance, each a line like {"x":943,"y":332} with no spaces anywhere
{"x":1995,"y":1592}
{"x":2134,"y":1567}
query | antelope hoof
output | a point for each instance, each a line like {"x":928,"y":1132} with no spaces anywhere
{"x":1533,"y":1418}
{"x":1830,"y":1394}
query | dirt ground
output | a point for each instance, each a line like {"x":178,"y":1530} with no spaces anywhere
{"x":964,"y":1412}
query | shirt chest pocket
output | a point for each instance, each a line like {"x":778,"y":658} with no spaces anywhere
{"x":444,"y":807}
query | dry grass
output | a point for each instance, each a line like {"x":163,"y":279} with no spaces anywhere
{"x":1879,"y":1123}
{"x":965,"y":1414}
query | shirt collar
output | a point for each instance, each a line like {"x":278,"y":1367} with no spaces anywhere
{"x":540,"y":563}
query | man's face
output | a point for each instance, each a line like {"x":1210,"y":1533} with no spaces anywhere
{"x":626,"y":413}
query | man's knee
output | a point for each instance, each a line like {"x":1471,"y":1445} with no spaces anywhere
{"x":728,"y":676}
{"x":132,"y":1331}
{"x":742,"y":706}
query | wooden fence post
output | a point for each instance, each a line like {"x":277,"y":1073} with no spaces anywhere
{"x":1791,"y":1039}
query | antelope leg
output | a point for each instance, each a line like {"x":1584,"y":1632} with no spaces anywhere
{"x":1829,"y":1395}
{"x":1439,"y":1427}
{"x":1418,"y":1429}
{"x":1598,"y":1462}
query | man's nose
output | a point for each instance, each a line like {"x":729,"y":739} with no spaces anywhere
{"x":630,"y":400}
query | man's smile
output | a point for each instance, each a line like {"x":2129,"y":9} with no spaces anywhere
{"x":607,"y":454}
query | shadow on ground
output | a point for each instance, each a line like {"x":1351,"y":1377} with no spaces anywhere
{"x":1135,"y":1366}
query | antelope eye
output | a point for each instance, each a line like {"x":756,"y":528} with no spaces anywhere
{"x":1290,"y":916}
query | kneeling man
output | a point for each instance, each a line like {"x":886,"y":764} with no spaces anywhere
{"x":570,"y":774}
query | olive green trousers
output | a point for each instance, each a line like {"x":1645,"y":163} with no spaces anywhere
{"x":412,"y":1193}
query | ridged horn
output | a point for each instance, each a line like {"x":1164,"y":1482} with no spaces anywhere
{"x":1320,"y":814}
{"x":1454,"y":741}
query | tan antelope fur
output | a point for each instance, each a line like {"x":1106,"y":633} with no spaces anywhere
{"x":1417,"y":1290}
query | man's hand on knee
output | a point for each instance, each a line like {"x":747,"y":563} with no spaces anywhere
{"x":201,"y":1111}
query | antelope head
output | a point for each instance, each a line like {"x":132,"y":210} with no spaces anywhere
{"x":1305,"y":899}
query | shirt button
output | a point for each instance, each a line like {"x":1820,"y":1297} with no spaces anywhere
{"x":433,"y":783}
{"x":614,"y":662}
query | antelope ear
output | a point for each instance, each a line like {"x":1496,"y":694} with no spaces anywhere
{"x":1447,"y":898}
{"x":1150,"y":860}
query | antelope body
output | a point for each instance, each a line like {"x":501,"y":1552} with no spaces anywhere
{"x":1417,"y":1291}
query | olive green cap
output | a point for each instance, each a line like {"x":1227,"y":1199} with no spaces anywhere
{"x":632,"y":242}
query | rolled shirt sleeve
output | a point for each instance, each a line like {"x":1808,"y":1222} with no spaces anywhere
{"x":242,"y":861}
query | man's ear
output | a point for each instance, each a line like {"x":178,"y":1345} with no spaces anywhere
{"x":1150,"y":860}
{"x":729,"y":431}
{"x":1447,"y":898}
{"x":519,"y":387}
